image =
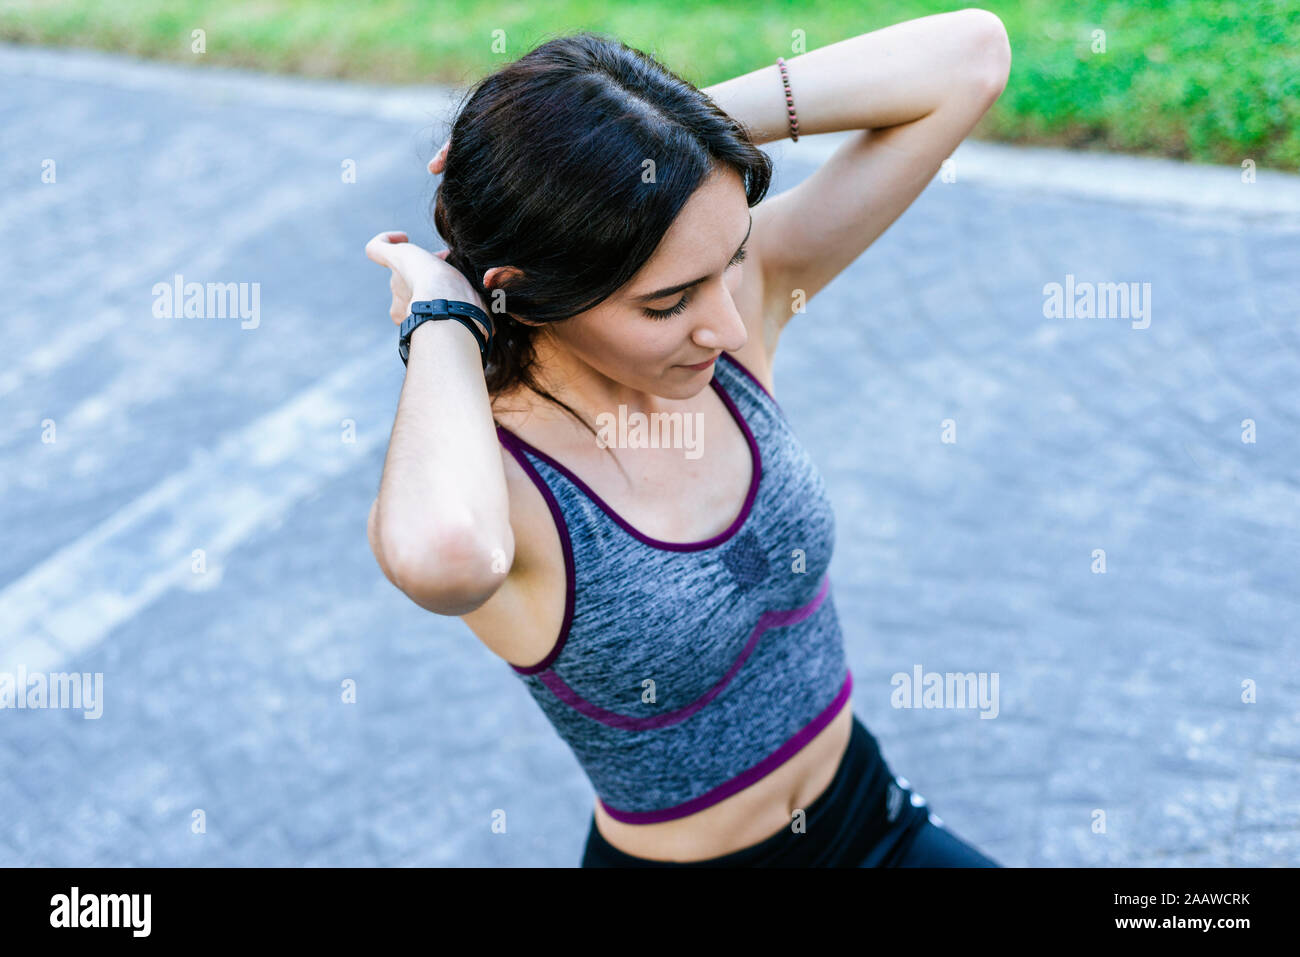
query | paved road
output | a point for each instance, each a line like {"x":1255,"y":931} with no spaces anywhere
{"x":195,"y":530}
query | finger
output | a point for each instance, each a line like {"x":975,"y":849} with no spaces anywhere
{"x":377,"y":248}
{"x":439,"y":161}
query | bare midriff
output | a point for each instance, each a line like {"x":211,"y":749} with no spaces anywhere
{"x":745,"y":818}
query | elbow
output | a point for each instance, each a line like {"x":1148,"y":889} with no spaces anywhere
{"x":990,"y":52}
{"x":450,"y":573}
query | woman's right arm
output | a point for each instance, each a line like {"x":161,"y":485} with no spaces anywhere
{"x":440,"y":526}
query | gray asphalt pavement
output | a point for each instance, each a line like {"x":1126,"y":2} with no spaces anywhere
{"x":183,"y":500}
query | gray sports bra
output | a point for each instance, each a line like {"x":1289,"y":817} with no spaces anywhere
{"x":685,"y":672}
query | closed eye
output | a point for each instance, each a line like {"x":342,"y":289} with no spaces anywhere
{"x":681,"y":303}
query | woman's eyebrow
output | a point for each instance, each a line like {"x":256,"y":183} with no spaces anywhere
{"x":670,"y":290}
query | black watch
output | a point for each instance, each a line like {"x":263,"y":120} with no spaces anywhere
{"x":463,"y":312}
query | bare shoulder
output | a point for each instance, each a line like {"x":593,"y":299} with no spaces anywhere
{"x":521,"y":620}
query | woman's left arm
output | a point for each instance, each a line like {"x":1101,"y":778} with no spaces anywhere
{"x":914,"y":90}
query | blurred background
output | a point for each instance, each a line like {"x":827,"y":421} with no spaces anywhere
{"x":1115,"y":531}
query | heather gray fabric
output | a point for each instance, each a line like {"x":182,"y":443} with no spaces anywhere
{"x":687,"y":671}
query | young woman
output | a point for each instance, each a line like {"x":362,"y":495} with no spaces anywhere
{"x":667,"y":606}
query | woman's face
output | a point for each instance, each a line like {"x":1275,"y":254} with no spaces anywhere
{"x":678,"y":309}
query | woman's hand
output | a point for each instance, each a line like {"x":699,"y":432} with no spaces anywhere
{"x":418,"y":274}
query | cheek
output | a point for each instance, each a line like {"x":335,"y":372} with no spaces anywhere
{"x":627,"y":339}
{"x":651,"y":341}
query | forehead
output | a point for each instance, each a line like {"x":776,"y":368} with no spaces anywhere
{"x":715,"y":217}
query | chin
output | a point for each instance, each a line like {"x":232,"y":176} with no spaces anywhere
{"x":674,"y":382}
{"x":680,"y":383}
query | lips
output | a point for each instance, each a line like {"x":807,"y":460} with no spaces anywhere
{"x":703,"y":365}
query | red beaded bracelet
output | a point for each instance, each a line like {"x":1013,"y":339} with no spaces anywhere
{"x":789,"y":100}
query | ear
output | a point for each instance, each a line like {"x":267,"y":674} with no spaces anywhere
{"x":498,"y":276}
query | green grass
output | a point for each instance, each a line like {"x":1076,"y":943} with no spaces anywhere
{"x":1214,"y":81}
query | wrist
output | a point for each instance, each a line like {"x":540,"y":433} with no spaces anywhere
{"x":425,"y":292}
{"x":467,"y":315}
{"x":440,"y":332}
{"x":440,"y":291}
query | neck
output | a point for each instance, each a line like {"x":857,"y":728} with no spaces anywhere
{"x":586,"y":390}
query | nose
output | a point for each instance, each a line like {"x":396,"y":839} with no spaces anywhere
{"x":722,"y":326}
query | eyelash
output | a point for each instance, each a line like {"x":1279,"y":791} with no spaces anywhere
{"x":682,"y":303}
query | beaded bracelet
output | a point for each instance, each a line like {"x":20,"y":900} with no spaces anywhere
{"x":789,"y":100}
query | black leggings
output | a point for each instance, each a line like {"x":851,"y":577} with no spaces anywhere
{"x":866,"y":817}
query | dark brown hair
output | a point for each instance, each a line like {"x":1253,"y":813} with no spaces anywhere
{"x":545,"y":173}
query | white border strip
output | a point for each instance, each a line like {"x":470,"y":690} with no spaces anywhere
{"x":1117,"y":177}
{"x":1136,"y":180}
{"x":420,"y":104}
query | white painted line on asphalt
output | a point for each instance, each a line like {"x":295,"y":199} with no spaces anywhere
{"x":72,"y":600}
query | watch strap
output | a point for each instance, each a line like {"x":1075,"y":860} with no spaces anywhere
{"x":463,"y":312}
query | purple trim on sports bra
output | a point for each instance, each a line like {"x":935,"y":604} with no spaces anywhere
{"x":767,"y":620}
{"x":756,"y":460}
{"x":741,"y":366}
{"x":509,"y":440}
{"x":745,"y":778}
